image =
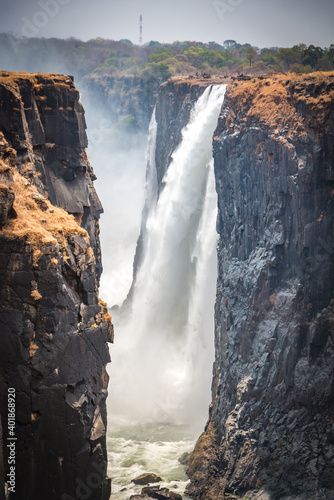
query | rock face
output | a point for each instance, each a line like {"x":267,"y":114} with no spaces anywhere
{"x":129,"y":100}
{"x":270,"y":433}
{"x":54,"y":329}
{"x":174,"y":102}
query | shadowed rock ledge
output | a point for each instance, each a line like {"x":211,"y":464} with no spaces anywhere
{"x":270,"y":433}
{"x":54,"y":328}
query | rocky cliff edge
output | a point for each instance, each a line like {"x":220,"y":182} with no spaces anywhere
{"x":54,"y":328}
{"x":270,"y":433}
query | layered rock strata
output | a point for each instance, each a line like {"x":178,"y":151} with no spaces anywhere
{"x":54,"y":329}
{"x":270,"y":433}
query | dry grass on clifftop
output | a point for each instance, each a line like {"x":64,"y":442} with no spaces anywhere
{"x":297,"y":102}
{"x":11,"y":79}
{"x":38,"y":221}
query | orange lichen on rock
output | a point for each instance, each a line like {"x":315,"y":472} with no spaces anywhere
{"x":104,"y":310}
{"x":32,"y":348}
{"x":107,"y":317}
{"x":103,"y":317}
{"x":39,"y":224}
{"x":34,"y":292}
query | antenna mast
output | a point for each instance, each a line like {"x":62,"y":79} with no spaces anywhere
{"x":140,"y":29}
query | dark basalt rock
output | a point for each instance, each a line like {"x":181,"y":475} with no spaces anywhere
{"x":271,"y":430}
{"x":6,"y":203}
{"x":146,"y":479}
{"x":54,"y":329}
{"x":160,"y":493}
{"x":6,"y":194}
{"x":174,"y":103}
{"x":184,"y":458}
{"x":139,"y":497}
{"x":43,"y":121}
{"x":2,"y":468}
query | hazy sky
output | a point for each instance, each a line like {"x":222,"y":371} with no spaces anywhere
{"x":263,"y":23}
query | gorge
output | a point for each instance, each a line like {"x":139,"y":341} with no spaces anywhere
{"x":270,"y":433}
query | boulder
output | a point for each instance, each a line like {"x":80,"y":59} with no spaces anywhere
{"x":160,"y":493}
{"x":147,"y":478}
{"x":139,"y":497}
{"x":184,"y":458}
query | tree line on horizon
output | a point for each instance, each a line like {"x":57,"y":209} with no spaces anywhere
{"x":160,"y":61}
{"x":125,"y":77}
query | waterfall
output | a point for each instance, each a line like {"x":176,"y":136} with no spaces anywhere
{"x":162,"y":360}
{"x":151,"y":172}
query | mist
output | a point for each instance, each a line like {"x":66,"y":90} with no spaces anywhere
{"x":120,"y":184}
{"x":160,"y":293}
{"x":119,"y":163}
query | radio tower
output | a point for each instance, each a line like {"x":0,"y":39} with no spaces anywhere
{"x":140,"y":29}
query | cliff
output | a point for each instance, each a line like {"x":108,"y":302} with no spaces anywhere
{"x":129,"y":100}
{"x":270,"y":433}
{"x":173,"y":104}
{"x":54,"y":329}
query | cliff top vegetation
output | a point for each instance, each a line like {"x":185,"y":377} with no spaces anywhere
{"x":11,"y":78}
{"x":301,"y":102}
{"x":126,"y":77}
{"x":158,"y":60}
{"x":37,"y":221}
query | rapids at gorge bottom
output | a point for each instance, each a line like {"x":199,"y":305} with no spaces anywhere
{"x":135,"y":449}
{"x":160,"y":375}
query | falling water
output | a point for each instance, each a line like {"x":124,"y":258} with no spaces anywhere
{"x":162,"y":359}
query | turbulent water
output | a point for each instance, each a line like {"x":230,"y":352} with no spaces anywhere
{"x":147,"y":447}
{"x":163,"y":352}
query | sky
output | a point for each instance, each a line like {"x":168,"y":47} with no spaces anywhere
{"x":262,"y":23}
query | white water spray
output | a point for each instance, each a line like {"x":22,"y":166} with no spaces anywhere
{"x":151,"y":187}
{"x":162,"y":360}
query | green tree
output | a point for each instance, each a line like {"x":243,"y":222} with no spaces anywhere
{"x":269,"y":58}
{"x":229,"y":43}
{"x":312,"y":55}
{"x":126,"y":41}
{"x":250,"y":53}
{"x":156,"y":71}
{"x":160,"y":54}
{"x":289,"y":56}
{"x":199,"y":56}
{"x":331,"y":53}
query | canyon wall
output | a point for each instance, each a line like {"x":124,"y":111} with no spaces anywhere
{"x":54,"y":328}
{"x":270,"y":433}
{"x":129,"y":100}
{"x":174,"y":102}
